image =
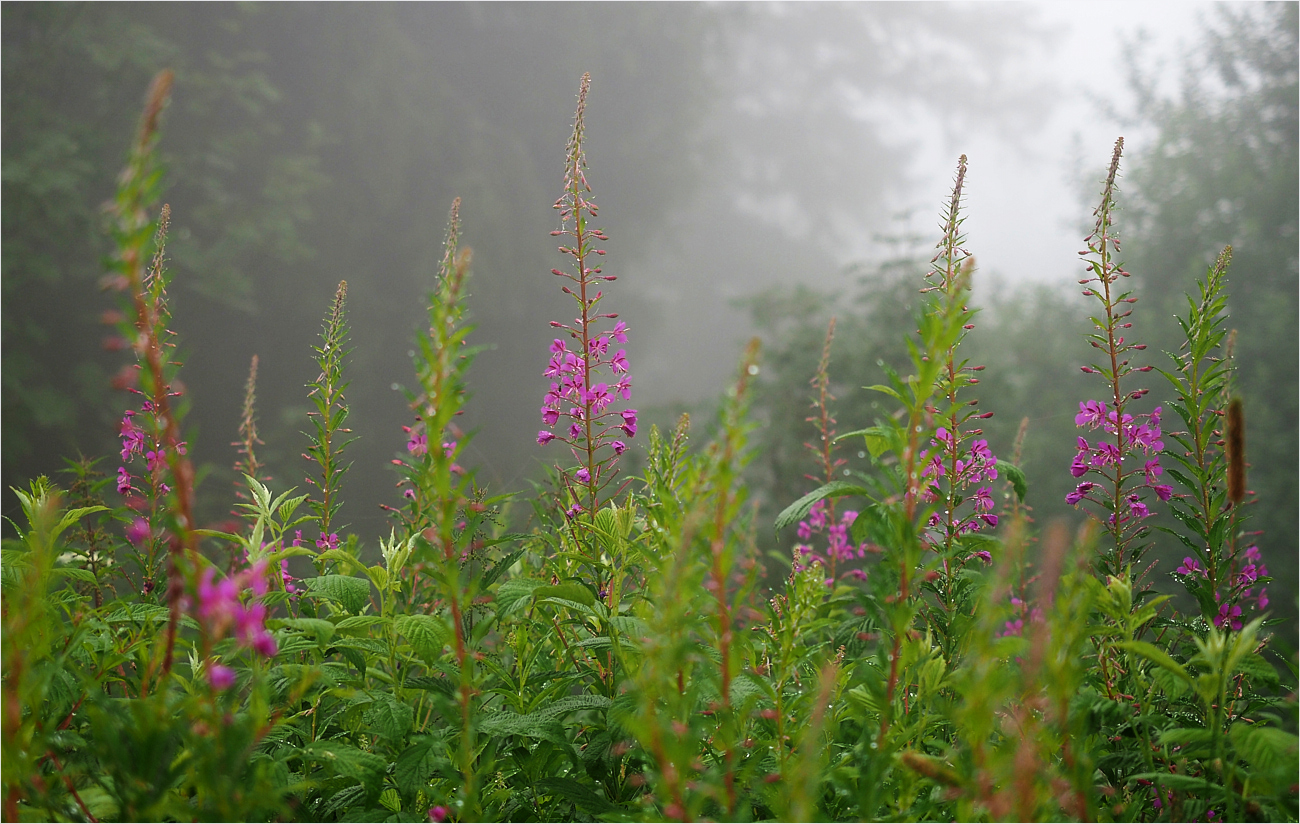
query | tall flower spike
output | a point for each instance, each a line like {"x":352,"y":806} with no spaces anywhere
{"x":1125,"y":436}
{"x":578,"y":402}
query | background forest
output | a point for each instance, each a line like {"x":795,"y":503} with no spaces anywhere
{"x":311,"y":144}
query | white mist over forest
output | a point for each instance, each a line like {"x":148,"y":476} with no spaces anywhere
{"x":738,"y":153}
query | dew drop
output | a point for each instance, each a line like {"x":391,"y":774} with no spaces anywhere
{"x":861,"y":454}
{"x":396,"y":387}
{"x":753,"y":369}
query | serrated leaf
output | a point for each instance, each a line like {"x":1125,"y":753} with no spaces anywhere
{"x":516,"y":593}
{"x":353,"y":594}
{"x":580,"y":795}
{"x":416,"y":765}
{"x":346,"y":760}
{"x":1265,"y":748}
{"x":358,"y":624}
{"x":799,"y":509}
{"x":388,"y":717}
{"x":76,"y":573}
{"x":427,"y":634}
{"x":500,"y":567}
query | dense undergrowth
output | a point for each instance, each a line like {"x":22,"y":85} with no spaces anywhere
{"x":930,"y":656}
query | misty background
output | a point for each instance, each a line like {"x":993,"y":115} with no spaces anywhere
{"x":759,"y":167}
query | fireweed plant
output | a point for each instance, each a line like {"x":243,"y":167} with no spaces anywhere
{"x":927,"y":656}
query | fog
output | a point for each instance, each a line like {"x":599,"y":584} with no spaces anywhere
{"x":733,"y":148}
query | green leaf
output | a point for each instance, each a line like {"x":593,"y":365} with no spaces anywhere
{"x":799,"y":509}
{"x":428,"y":634}
{"x":580,"y":795}
{"x":1267,"y":749}
{"x":567,"y":592}
{"x":359,"y":624}
{"x":388,"y":717}
{"x":516,"y":593}
{"x":77,"y":573}
{"x":1014,"y":474}
{"x":877,"y":438}
{"x":353,"y":594}
{"x":416,"y":765}
{"x":346,"y":760}
{"x":319,"y":627}
{"x":1156,"y":656}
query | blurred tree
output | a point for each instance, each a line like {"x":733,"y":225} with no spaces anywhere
{"x":1222,"y":170}
{"x":313,"y":143}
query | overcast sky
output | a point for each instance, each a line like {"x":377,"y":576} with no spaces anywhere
{"x":1022,"y":200}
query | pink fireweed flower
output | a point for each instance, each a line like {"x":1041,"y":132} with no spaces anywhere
{"x":1091,"y":414}
{"x":620,"y":332}
{"x":123,"y":481}
{"x":155,"y":458}
{"x":285,"y":578}
{"x":418,"y":445}
{"x":618,"y":363}
{"x":220,"y":608}
{"x":544,"y":437}
{"x":619,"y":447}
{"x":132,"y":436}
{"x":221,"y":677}
{"x":984,"y":555}
{"x":139,"y":531}
{"x":1079,"y":492}
{"x":1229,"y":615}
{"x":1190,"y":566}
{"x":583,"y":475}
{"x":330,"y":542}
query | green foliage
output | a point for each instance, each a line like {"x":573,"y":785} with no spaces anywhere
{"x":622,"y":663}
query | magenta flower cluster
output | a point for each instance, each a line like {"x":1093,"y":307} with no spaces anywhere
{"x":838,"y":546}
{"x":1242,"y":586}
{"x":220,"y":609}
{"x":1129,"y":435}
{"x":138,"y":442}
{"x":572,"y":398}
{"x":969,"y":466}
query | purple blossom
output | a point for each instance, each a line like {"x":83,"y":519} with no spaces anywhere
{"x":620,"y":332}
{"x":330,"y":542}
{"x":544,"y":437}
{"x":1091,"y":414}
{"x":437,"y":814}
{"x":1190,"y":566}
{"x":1138,"y":508}
{"x":1079,"y":492}
{"x":598,"y":346}
{"x":1229,"y":615}
{"x":575,"y":430}
{"x":550,"y":416}
{"x":618,"y":363}
{"x":418,"y":445}
{"x":583,"y":476}
{"x":221,"y":677}
{"x":804,"y":531}
{"x":132,"y":436}
{"x":619,"y":447}
{"x":984,"y":555}
{"x":123,"y":481}
{"x":572,"y":512}
{"x":155,"y":458}
{"x":139,"y":531}
{"x":1263,"y":599}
